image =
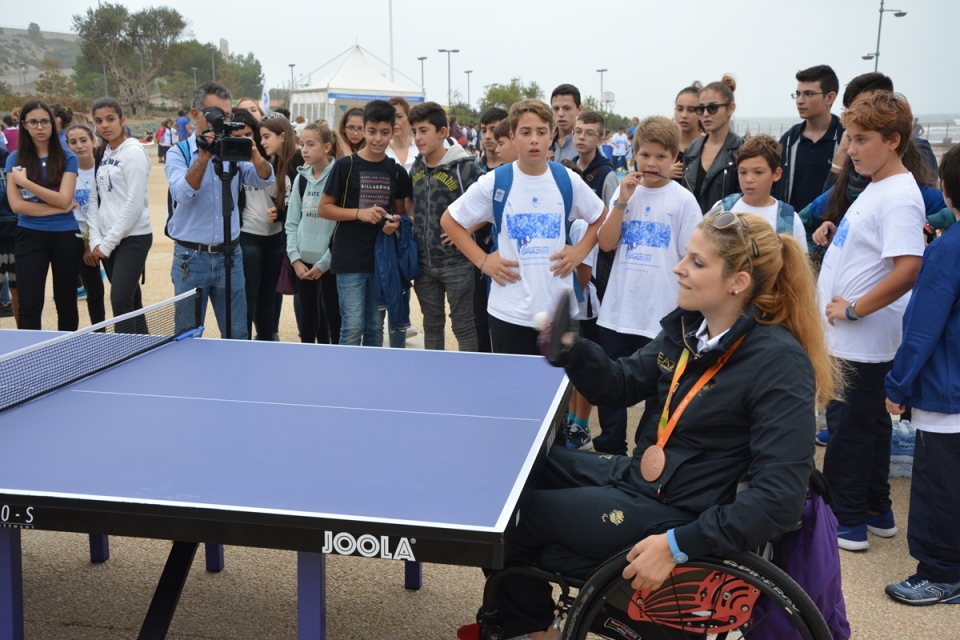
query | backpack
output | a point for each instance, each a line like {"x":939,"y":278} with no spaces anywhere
{"x":503,"y":181}
{"x":457,"y":134}
{"x":784,"y":213}
{"x":184,"y":147}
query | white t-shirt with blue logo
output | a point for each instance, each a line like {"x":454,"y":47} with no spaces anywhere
{"x":85,"y":183}
{"x":657,"y":224}
{"x":531,"y":231}
{"x":885,"y":222}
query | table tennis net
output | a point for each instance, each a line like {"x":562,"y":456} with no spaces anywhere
{"x":39,"y":369}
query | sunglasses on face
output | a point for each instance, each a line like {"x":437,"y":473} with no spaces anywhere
{"x":724,"y":220}
{"x":711,"y":108}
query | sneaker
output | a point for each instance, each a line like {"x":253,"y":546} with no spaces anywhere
{"x":882,"y":524}
{"x":6,"y":310}
{"x":81,"y":293}
{"x":852,"y":538}
{"x":412,"y":332}
{"x":578,"y":438}
{"x":822,"y":437}
{"x":918,"y":592}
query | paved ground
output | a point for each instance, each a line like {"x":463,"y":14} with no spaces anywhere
{"x":67,"y":598}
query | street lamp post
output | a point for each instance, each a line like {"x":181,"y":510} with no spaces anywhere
{"x":213,"y":64}
{"x":194,"y":69}
{"x":601,"y":72}
{"x":23,"y":78}
{"x":468,"y":86}
{"x":106,"y":90}
{"x":875,"y":56}
{"x":421,"y":59}
{"x":449,"y":90}
{"x":293,"y":86}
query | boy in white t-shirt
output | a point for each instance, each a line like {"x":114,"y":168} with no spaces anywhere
{"x":651,"y":219}
{"x":864,"y":286}
{"x":533,"y":264}
{"x":758,"y":167}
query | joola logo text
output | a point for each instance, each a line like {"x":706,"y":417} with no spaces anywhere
{"x":368,"y":546}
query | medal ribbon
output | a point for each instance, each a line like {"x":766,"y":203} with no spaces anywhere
{"x":668,"y":422}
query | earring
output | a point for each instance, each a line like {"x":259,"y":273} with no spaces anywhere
{"x":734,"y":292}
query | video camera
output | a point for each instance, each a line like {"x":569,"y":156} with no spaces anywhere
{"x":224,"y":146}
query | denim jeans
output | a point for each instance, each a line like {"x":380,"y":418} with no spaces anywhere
{"x":360,"y":320}
{"x":192,"y":269}
{"x":261,"y":270}
{"x":457,"y":282}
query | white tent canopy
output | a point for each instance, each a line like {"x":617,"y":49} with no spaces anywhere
{"x":354,"y":82}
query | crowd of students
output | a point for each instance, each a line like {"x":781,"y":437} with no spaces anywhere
{"x":351,"y":219}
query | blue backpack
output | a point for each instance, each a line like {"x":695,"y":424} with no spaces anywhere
{"x":784,"y":213}
{"x":503,"y":181}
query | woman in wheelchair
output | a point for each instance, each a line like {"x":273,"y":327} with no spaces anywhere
{"x":739,"y":367}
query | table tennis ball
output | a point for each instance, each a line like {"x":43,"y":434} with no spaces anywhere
{"x":541,"y":321}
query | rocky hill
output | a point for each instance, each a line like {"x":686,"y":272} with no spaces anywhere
{"x":30,"y":47}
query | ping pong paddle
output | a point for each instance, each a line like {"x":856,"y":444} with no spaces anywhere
{"x":553,"y":346}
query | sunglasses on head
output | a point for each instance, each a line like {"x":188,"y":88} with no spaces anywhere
{"x":711,"y":108}
{"x":723,"y":219}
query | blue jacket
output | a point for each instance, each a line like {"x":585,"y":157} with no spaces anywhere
{"x":395,"y":264}
{"x":925,"y":373}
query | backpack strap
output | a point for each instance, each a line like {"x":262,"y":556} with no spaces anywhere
{"x":301,"y":186}
{"x":343,"y":198}
{"x":732,"y":199}
{"x":502,"y":181}
{"x":184,"y":146}
{"x":784,"y":218}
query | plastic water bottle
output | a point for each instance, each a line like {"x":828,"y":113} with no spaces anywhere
{"x":901,"y":449}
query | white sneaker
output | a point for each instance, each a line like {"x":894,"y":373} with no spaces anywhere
{"x":412,"y":332}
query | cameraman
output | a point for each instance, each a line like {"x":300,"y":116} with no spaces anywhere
{"x":197,"y":221}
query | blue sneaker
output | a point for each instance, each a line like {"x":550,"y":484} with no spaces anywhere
{"x":882,"y":524}
{"x":81,"y":293}
{"x":852,"y":538}
{"x":822,"y":437}
{"x":917,"y":591}
{"x":578,"y":438}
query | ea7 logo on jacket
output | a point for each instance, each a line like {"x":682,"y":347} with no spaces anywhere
{"x":665,"y":363}
{"x":368,"y":546}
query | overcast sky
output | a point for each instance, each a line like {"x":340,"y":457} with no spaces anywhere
{"x":652,"y":49}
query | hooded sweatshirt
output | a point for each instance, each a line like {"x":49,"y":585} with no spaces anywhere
{"x":308,"y":235}
{"x":118,"y":206}
{"x":433,"y":192}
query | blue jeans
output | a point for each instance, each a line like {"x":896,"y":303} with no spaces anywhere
{"x":192,"y":269}
{"x":359,"y":317}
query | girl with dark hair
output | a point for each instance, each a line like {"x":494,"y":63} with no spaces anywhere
{"x":709,"y":164}
{"x":41,"y":180}
{"x":691,"y":130}
{"x":351,"y":131}
{"x":261,"y":241}
{"x":83,"y":142}
{"x":63,"y":119}
{"x":120,"y":231}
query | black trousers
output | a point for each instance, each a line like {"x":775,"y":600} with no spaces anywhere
{"x":314,"y":327}
{"x":331,"y":305}
{"x":481,"y":319}
{"x":93,"y":285}
{"x":857,"y":460}
{"x":583,"y":510}
{"x":506,"y":337}
{"x":262,"y":256}
{"x":613,"y":422}
{"x":933,"y":531}
{"x":36,"y":253}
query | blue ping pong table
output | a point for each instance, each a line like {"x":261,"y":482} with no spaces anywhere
{"x":403,"y":454}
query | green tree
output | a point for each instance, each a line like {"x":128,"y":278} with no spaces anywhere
{"x":247,"y":75}
{"x":5,"y":89}
{"x":504,"y":95}
{"x":178,"y":86}
{"x":134,"y":47}
{"x":33,"y":33}
{"x":53,"y":85}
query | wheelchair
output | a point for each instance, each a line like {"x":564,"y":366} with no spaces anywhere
{"x":739,"y":595}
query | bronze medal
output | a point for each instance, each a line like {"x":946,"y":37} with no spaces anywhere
{"x":652,"y":463}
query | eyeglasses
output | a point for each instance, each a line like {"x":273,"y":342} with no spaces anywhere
{"x":806,"y":95}
{"x":38,"y":124}
{"x":586,"y":133}
{"x":723,"y":219}
{"x":354,"y":129}
{"x":711,"y":108}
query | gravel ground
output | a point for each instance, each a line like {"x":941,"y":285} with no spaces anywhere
{"x":68,"y":598}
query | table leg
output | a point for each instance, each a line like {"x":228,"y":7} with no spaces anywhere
{"x":99,"y":547}
{"x":412,"y":575}
{"x":214,"y":553}
{"x":167,"y":595}
{"x":311,"y":596}
{"x":11,"y":585}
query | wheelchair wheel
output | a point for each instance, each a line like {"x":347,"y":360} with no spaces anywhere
{"x":737,"y":596}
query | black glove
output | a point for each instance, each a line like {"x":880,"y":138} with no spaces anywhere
{"x":561,"y":334}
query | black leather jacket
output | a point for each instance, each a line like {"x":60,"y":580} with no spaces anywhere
{"x":721,"y":179}
{"x":753,"y":421}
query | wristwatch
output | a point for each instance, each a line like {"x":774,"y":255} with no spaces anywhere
{"x":851,"y":312}
{"x":619,"y":205}
{"x":679,"y":557}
